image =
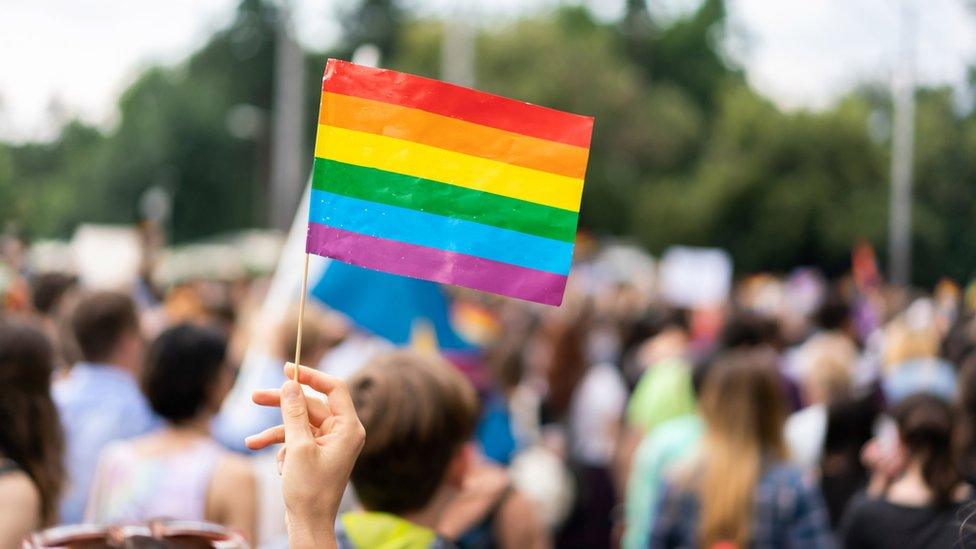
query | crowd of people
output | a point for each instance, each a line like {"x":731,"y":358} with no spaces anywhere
{"x":798,"y":412}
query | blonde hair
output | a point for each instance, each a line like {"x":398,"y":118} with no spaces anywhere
{"x":904,"y":343}
{"x":829,"y":366}
{"x":744,"y":414}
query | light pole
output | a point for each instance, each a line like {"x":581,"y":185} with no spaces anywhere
{"x":902,"y":151}
{"x":287,"y":148}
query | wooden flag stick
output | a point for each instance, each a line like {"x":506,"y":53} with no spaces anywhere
{"x":301,"y":318}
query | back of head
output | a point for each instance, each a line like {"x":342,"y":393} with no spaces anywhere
{"x":418,"y":412}
{"x":182,"y":371}
{"x":912,"y":336}
{"x":742,"y":400}
{"x":925,"y":427}
{"x":48,"y":289}
{"x":834,"y":313}
{"x":30,"y":431}
{"x":99,"y":322}
{"x":829,"y":361}
{"x":743,"y":408}
{"x":747,"y":329}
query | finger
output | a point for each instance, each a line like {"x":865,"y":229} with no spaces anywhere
{"x":272,"y":435}
{"x":318,"y":411}
{"x":280,"y":458}
{"x":340,"y":402}
{"x":294,"y":413}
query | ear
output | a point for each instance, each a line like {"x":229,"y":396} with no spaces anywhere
{"x":460,"y":465}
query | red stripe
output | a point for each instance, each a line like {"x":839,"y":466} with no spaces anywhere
{"x":457,"y":102}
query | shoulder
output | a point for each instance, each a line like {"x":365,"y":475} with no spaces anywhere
{"x":602,"y":388}
{"x":784,"y":473}
{"x":234,"y":472}
{"x":17,"y":487}
{"x":785,"y":485}
{"x":20,"y":508}
{"x":605,"y":377}
{"x":116,"y":451}
{"x":18,"y":494}
{"x":861,"y":507}
{"x":233,"y":484}
{"x":517,"y":515}
{"x":860,"y":514}
{"x":677,"y":430}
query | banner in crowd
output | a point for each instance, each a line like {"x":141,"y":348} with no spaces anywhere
{"x":430,"y":180}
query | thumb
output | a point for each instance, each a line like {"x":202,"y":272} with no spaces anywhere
{"x":294,"y":412}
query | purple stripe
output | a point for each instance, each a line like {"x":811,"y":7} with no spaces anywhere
{"x":438,"y":265}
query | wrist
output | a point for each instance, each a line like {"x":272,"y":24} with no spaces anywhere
{"x":311,"y":533}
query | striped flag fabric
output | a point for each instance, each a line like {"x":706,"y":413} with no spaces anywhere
{"x":430,"y":180}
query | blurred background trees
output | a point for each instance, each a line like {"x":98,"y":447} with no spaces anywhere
{"x":684,"y":150}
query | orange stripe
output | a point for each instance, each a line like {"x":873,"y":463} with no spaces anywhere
{"x":376,"y":117}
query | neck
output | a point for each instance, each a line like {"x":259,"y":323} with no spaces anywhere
{"x":196,"y":427}
{"x":430,"y":516}
{"x":120,"y":363}
{"x":911,"y":489}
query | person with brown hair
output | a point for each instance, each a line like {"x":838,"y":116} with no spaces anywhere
{"x":926,"y":501}
{"x":31,"y":440}
{"x":419,"y":414}
{"x":740,"y":491}
{"x":99,"y":399}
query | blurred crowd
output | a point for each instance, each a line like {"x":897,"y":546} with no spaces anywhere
{"x":795,"y":411}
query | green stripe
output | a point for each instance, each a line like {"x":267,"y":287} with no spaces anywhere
{"x":405,"y":191}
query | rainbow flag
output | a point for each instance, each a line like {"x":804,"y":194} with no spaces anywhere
{"x":429,"y":180}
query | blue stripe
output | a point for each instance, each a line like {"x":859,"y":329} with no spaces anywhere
{"x":443,"y":233}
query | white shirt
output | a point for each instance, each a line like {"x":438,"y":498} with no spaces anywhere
{"x":595,"y":412}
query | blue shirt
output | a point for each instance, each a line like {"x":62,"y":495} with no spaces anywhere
{"x":670,"y":443}
{"x":98,"y":404}
{"x":788,"y":511}
{"x":240,"y":418}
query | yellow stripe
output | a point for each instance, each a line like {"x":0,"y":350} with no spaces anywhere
{"x":472,"y":172}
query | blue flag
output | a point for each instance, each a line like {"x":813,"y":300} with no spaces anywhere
{"x":389,"y":306}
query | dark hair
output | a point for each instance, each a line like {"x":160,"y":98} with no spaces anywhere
{"x":925,"y":425}
{"x":100,"y":320}
{"x":182,"y":365}
{"x":418,"y":411}
{"x":746,"y":329}
{"x":47,"y":290}
{"x":834,"y":312}
{"x":850,"y":425}
{"x":30,"y":431}
{"x":964,"y":437}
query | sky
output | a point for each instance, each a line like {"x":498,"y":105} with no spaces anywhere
{"x":72,"y":58}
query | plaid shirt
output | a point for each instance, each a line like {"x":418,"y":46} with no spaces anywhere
{"x":789,"y":512}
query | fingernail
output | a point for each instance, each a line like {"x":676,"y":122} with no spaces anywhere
{"x":290,"y":390}
{"x":247,"y":440}
{"x":281,"y":465}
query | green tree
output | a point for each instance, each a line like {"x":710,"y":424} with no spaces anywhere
{"x":686,"y":52}
{"x":377,"y":22}
{"x":641,"y":131}
{"x":776,"y":190}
